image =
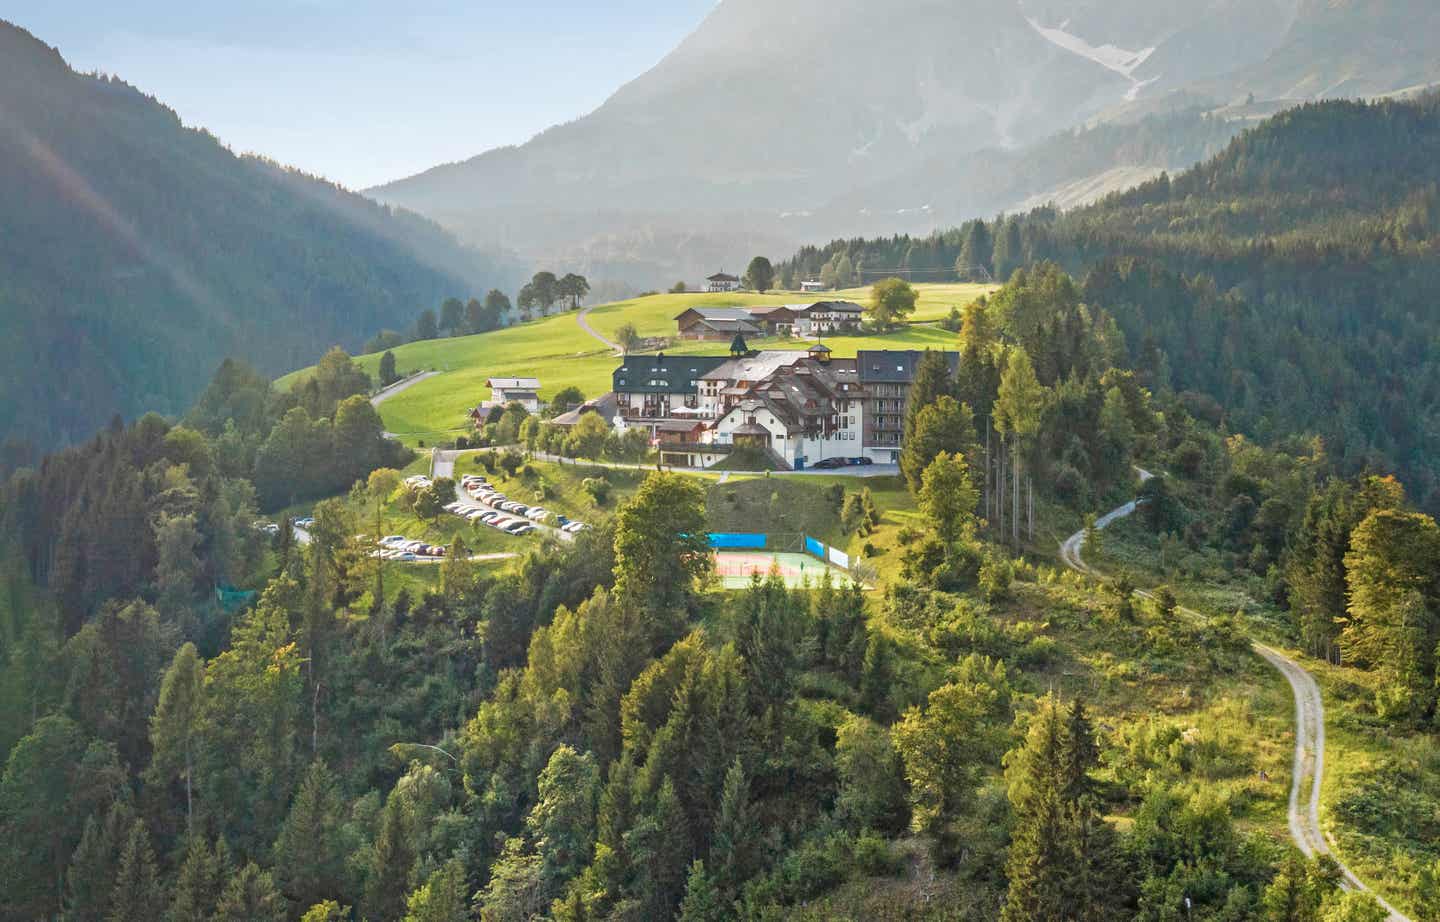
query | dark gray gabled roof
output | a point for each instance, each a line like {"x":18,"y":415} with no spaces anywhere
{"x":717,"y":313}
{"x":892,"y":366}
{"x":663,"y":374}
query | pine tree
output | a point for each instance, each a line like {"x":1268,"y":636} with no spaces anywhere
{"x":136,"y":896}
{"x":562,"y":822}
{"x":174,"y":727}
{"x":974,"y":251}
{"x":660,"y":848}
{"x":932,"y":381}
{"x":200,"y":882}
{"x":1062,"y":855}
{"x":1008,"y":249}
{"x":1295,"y":893}
{"x":391,"y":861}
{"x":443,"y":898}
{"x":1038,"y":862}
{"x":251,"y":896}
{"x":1091,"y":894}
{"x":702,"y":902}
{"x":877,"y":676}
{"x":737,"y":831}
{"x":90,"y":878}
{"x":309,"y":854}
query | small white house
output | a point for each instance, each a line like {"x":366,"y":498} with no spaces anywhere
{"x":524,"y":391}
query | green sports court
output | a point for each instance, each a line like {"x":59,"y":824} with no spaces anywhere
{"x":736,"y":568}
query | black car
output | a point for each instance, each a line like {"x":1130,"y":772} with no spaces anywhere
{"x":829,"y":464}
{"x":860,"y":461}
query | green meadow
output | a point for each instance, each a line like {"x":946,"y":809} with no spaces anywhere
{"x":561,"y":354}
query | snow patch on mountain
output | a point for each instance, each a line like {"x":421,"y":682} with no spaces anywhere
{"x":1110,"y":57}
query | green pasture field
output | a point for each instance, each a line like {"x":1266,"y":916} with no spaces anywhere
{"x":561,"y":354}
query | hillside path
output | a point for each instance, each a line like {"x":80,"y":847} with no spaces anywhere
{"x":583,"y":318}
{"x":385,"y":393}
{"x":404,"y":384}
{"x":1309,"y":723}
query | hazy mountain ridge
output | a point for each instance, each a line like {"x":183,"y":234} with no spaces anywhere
{"x":842,"y":112}
{"x":138,"y":253}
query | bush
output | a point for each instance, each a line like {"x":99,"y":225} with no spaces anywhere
{"x":598,"y":488}
{"x":486,"y":459}
{"x":1069,"y":485}
{"x":511,"y":461}
{"x":996,"y":575}
{"x":907,"y":535}
{"x":873,"y":857}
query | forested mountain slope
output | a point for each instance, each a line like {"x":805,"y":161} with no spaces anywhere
{"x":1289,"y":280}
{"x":136,"y":253}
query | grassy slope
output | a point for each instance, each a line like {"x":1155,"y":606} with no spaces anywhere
{"x":561,"y":354}
{"x":1367,"y":761}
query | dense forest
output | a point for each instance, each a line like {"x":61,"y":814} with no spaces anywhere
{"x":136,"y":253}
{"x":202,"y":722}
{"x":1284,"y":287}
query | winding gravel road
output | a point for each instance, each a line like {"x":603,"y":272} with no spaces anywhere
{"x":1309,"y":768}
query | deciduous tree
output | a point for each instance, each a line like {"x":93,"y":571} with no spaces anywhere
{"x":760,"y":275}
{"x":891,"y":301}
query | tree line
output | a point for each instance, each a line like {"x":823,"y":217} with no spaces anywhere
{"x":1284,"y":309}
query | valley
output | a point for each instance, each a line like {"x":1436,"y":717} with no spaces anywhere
{"x":1033,"y":519}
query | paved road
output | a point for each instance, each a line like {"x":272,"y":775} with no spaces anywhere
{"x":399,"y":386}
{"x":858,"y":470}
{"x":385,"y":394}
{"x":583,"y":318}
{"x":1309,"y":768}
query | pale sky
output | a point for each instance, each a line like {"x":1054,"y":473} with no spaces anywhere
{"x":365,"y":91}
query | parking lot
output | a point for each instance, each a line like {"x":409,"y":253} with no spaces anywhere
{"x":478,"y":501}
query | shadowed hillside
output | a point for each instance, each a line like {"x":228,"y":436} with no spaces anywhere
{"x":136,"y":253}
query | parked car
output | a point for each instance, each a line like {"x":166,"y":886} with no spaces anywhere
{"x":828,"y":464}
{"x":561,"y":521}
{"x":391,"y":540}
{"x":536,"y":514}
{"x":862,"y":461}
{"x":407,"y":556}
{"x":519,"y":528}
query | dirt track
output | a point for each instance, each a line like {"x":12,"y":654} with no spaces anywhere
{"x":1309,"y":768}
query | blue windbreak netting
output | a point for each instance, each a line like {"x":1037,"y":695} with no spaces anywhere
{"x":738,"y":540}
